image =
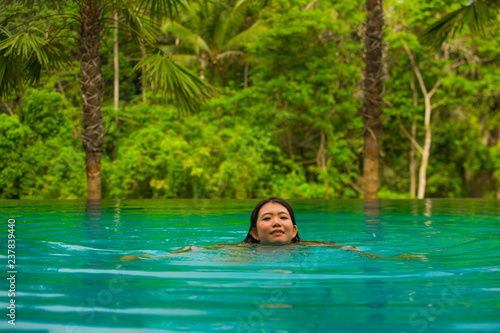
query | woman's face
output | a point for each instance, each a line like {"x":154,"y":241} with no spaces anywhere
{"x":274,"y":224}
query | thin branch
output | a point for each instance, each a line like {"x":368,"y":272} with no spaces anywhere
{"x":57,"y":33}
{"x":409,"y":136}
{"x":435,"y":105}
{"x":434,"y":89}
{"x":8,"y":108}
{"x":44,"y":19}
{"x":463,"y":62}
{"x":309,"y":161}
{"x":356,"y":187}
{"x":307,"y":140}
{"x":371,"y":133}
{"x":415,"y":68}
{"x":62,"y":16}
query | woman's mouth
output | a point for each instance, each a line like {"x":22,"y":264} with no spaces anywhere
{"x":277,"y":232}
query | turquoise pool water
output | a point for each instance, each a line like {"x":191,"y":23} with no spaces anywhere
{"x":69,"y":277}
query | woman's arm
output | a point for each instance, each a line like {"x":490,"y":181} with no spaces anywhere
{"x":362,"y":254}
{"x":330,"y":244}
{"x":134,"y":257}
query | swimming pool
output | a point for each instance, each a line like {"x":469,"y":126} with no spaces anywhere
{"x":69,"y":277}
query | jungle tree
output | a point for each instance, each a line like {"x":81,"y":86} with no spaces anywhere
{"x":214,"y":33}
{"x":26,"y":49}
{"x":372,"y":105}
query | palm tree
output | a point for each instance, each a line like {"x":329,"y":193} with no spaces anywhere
{"x":26,"y":51}
{"x":372,"y":104}
{"x":210,"y":32}
{"x":478,"y":15}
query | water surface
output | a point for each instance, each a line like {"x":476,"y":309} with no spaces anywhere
{"x":70,"y":278}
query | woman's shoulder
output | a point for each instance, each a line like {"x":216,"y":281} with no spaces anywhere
{"x":316,"y":243}
{"x":226,"y":244}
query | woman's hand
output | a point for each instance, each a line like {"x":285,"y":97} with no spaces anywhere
{"x":184,"y":249}
{"x":350,"y":247}
{"x":134,"y":257}
{"x":128,"y":258}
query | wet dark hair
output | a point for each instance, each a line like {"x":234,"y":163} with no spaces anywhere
{"x":255,"y":215}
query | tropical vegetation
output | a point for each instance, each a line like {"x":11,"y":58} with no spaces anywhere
{"x":246,"y":99}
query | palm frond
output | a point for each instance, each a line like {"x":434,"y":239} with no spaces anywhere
{"x":157,"y":8}
{"x":175,"y":49}
{"x":186,"y":36}
{"x":11,"y":75}
{"x":231,"y":22}
{"x":258,"y":3}
{"x":24,"y":44}
{"x":187,"y":60}
{"x":140,"y":26}
{"x":230,"y":55}
{"x":174,"y":82}
{"x":478,"y":16}
{"x":245,"y":37}
{"x":241,"y":4}
{"x":23,"y":57}
{"x":215,"y":22}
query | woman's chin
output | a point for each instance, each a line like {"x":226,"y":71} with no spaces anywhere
{"x":275,"y":242}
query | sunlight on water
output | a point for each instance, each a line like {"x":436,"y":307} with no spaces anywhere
{"x":70,"y":277}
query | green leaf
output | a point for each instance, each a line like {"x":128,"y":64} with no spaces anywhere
{"x":479,"y":16}
{"x":175,"y":82}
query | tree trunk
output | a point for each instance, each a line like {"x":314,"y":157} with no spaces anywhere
{"x":413,"y":159}
{"x":143,"y":72}
{"x":372,"y":105}
{"x":92,"y":92}
{"x":425,"y":151}
{"x":413,"y":163}
{"x":116,"y":83}
{"x":498,"y":191}
{"x":422,"y":175}
{"x":245,"y":73}
{"x":203,"y":65}
{"x":212,"y":65}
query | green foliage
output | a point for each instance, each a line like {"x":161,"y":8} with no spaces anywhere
{"x":465,"y":112}
{"x":175,"y":82}
{"x":477,"y":15}
{"x":41,"y":156}
{"x":15,"y":169}
{"x":25,"y":49}
{"x":294,"y":132}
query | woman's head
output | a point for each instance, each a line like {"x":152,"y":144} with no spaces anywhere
{"x":272,"y":221}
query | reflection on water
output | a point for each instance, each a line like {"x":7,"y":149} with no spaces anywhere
{"x":373,"y":226}
{"x":376,"y":299}
{"x":73,"y":281}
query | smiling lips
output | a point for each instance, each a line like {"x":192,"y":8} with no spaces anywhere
{"x":279,"y":232}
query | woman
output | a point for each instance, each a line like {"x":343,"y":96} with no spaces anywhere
{"x":272,"y":222}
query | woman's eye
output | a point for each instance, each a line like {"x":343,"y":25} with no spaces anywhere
{"x":284,"y":218}
{"x":266,"y":218}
